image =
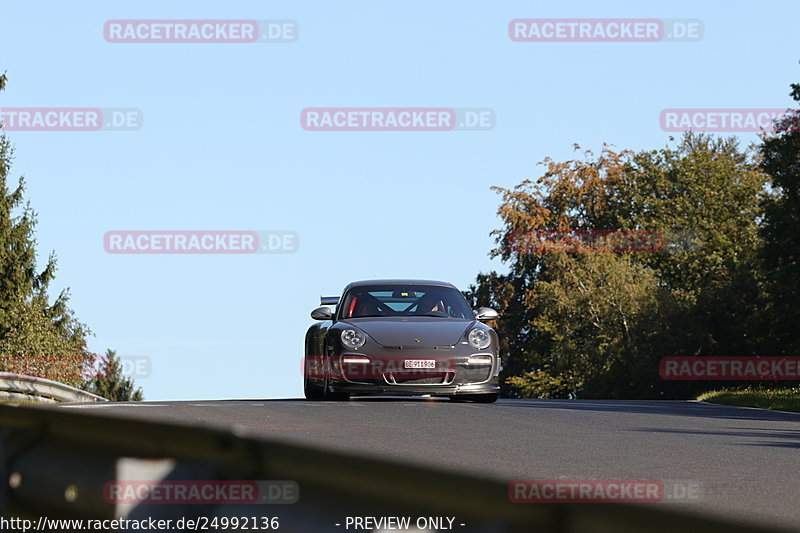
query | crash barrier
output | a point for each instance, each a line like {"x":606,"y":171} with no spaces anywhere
{"x":59,"y":463}
{"x":19,"y":387}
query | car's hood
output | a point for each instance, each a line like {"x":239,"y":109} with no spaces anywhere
{"x":413,"y":331}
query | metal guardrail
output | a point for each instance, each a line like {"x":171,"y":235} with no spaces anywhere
{"x":58,"y":461}
{"x":19,"y":387}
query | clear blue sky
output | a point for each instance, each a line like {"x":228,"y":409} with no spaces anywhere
{"x":221,"y":147}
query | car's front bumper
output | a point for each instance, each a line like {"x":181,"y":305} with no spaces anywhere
{"x":453,"y":373}
{"x":491,"y":387}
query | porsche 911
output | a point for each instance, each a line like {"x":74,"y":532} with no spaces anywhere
{"x":401,"y":337}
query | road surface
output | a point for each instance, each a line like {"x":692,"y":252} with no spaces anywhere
{"x":744,"y":461}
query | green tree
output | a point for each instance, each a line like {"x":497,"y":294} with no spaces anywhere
{"x":506,"y":294}
{"x":583,"y":323}
{"x":110,"y":383}
{"x":36,"y":336}
{"x":600,"y":313}
{"x":34,"y":345}
{"x":781,"y":232}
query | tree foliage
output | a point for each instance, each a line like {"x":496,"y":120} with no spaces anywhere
{"x":780,"y":154}
{"x":594,"y":323}
{"x":109,"y":382}
{"x":37,"y":337}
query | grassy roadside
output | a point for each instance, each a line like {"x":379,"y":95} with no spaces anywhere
{"x":778,"y":399}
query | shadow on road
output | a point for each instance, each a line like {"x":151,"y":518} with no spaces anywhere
{"x":656,"y":407}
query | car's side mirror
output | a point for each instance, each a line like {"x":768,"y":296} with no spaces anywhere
{"x":486,"y":313}
{"x":322,"y":313}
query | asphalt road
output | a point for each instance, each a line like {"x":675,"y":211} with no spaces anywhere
{"x":743,"y":462}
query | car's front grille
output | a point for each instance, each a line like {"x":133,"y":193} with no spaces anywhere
{"x":419,"y":378}
{"x":419,"y":381}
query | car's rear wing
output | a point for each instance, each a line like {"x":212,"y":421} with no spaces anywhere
{"x":329,"y":300}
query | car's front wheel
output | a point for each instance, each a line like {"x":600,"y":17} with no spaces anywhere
{"x":321,"y":391}
{"x":337,"y":396}
{"x":328,"y":394}
{"x":477,"y":398}
{"x":311,"y":390}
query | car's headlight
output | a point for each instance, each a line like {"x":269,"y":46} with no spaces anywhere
{"x":479,"y":338}
{"x":353,"y":338}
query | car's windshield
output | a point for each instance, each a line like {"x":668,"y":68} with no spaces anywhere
{"x":404,"y":300}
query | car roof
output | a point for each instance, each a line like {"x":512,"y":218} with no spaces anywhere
{"x":399,"y":282}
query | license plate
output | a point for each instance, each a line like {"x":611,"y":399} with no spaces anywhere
{"x":419,"y":363}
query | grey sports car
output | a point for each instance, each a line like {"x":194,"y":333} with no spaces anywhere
{"x":404,"y":337}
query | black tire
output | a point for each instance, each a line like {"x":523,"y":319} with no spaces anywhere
{"x":477,"y":398}
{"x":311,"y":389}
{"x":338,"y":396}
{"x":312,"y":392}
{"x":328,"y":394}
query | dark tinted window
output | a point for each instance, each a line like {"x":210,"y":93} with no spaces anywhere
{"x":404,"y":300}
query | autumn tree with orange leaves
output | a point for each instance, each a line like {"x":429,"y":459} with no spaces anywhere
{"x":592,"y":321}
